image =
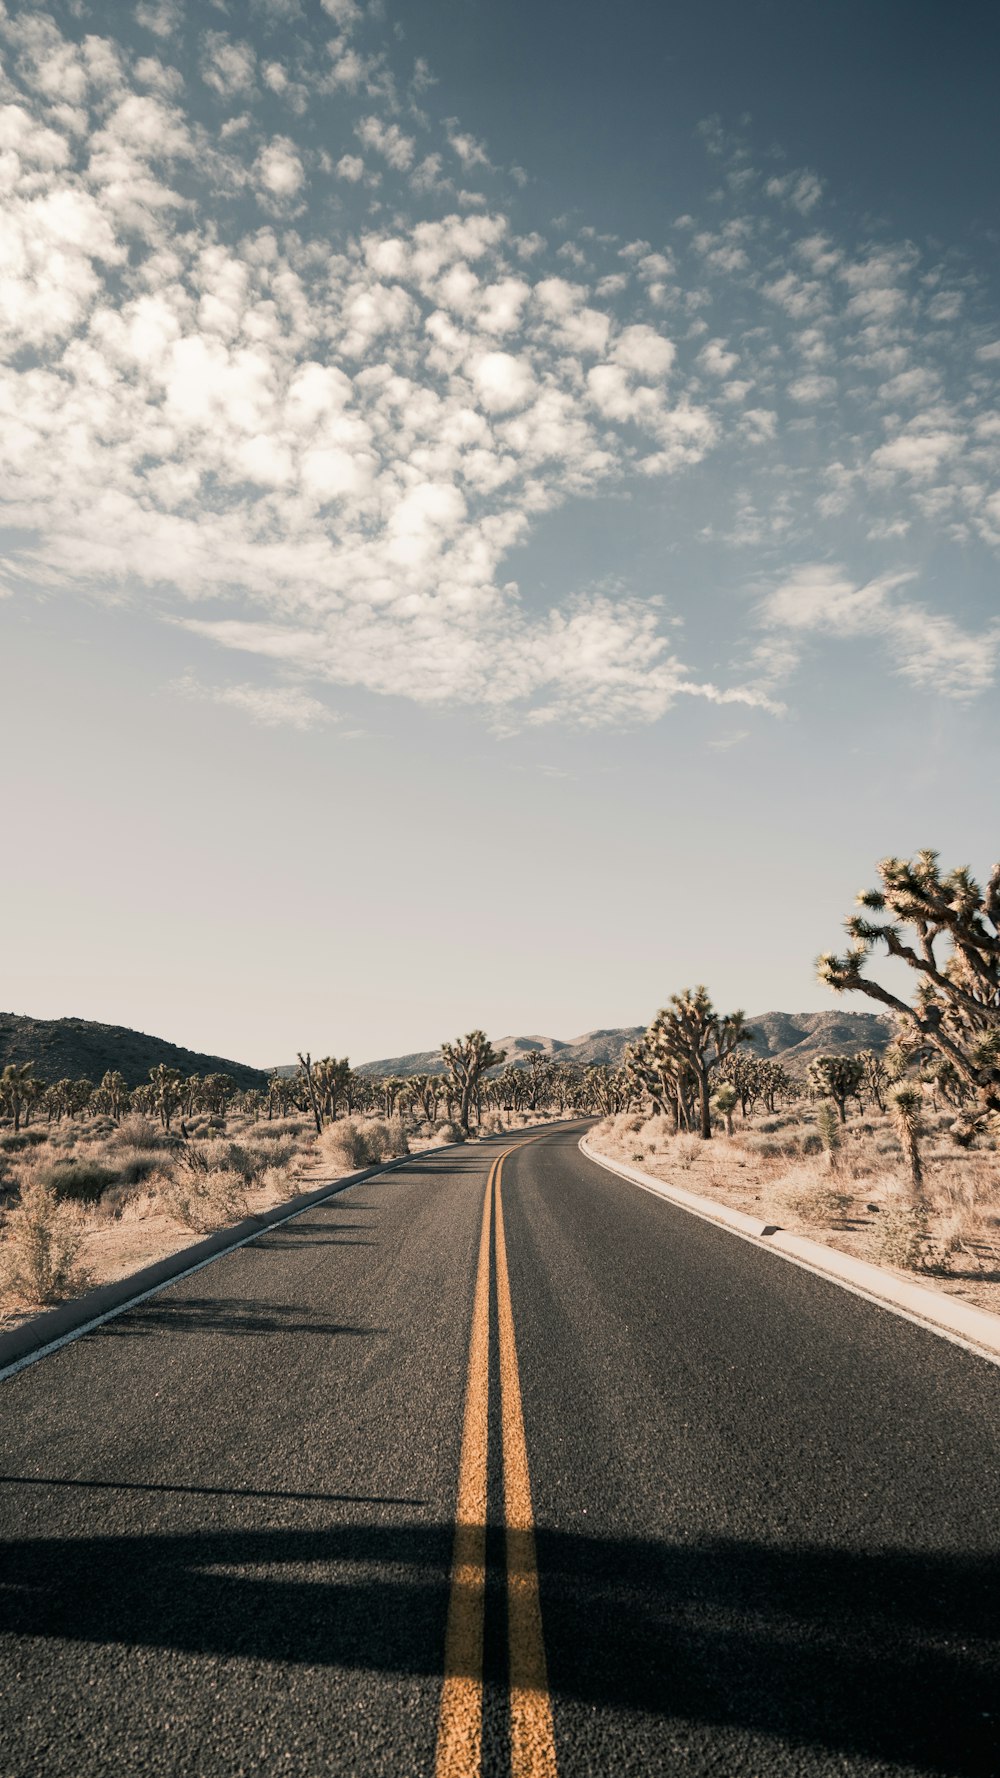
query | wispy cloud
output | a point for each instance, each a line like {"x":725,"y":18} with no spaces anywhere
{"x":927,"y":648}
{"x":273,"y":706}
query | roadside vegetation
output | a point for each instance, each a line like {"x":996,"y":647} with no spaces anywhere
{"x":890,"y":1153}
{"x":892,"y":1156}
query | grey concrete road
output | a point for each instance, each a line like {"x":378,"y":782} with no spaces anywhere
{"x":765,"y":1512}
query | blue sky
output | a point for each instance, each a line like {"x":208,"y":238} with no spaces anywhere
{"x":501,"y":505}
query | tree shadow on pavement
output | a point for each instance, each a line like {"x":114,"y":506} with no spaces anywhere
{"x":214,"y":1314}
{"x":888,"y":1656}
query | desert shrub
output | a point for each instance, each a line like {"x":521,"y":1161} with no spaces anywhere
{"x":77,"y":1181}
{"x":388,"y":1138}
{"x":903,"y":1234}
{"x":686,"y":1150}
{"x":823,"y":1205}
{"x":354,"y":1143}
{"x":12,"y":1144}
{"x":135,"y":1165}
{"x":205,"y":1200}
{"x":40,"y":1249}
{"x":448,"y":1133}
{"x":346,"y":1144}
{"x":492,"y":1124}
{"x":656,"y":1130}
{"x":137,"y":1131}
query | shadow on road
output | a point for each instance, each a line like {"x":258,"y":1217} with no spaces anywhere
{"x":888,"y":1656}
{"x":214,"y":1314}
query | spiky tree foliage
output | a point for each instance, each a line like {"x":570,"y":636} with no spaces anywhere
{"x":745,"y":1074}
{"x":167,"y":1091}
{"x":828,"y":1125}
{"x":214,"y":1093}
{"x":947,"y":930}
{"x":775,"y":1083}
{"x":838,"y":1078}
{"x":427,"y":1088}
{"x":876,"y":1076}
{"x":307,"y":1079}
{"x":725,"y":1100}
{"x":689,"y":1036}
{"x":467,"y":1060}
{"x":17,"y":1090}
{"x":114,"y":1091}
{"x":905,"y":1105}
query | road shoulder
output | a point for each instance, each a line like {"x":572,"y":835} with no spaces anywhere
{"x":976,"y":1329}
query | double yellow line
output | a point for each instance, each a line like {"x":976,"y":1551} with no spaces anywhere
{"x":460,"y":1724}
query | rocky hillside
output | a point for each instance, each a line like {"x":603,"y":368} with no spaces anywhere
{"x":75,"y":1048}
{"x":792,"y":1038}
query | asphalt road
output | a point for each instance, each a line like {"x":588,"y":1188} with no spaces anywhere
{"x":763,"y":1513}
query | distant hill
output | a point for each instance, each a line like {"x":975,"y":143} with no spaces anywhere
{"x":75,"y":1048}
{"x":792,"y":1038}
{"x":594,"y":1046}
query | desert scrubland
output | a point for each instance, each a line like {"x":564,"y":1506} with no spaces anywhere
{"x":891,"y":1153}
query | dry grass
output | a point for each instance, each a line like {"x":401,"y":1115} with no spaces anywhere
{"x":89,"y":1201}
{"x":862,"y":1203}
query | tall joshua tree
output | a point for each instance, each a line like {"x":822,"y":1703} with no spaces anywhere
{"x":467,"y":1060}
{"x":838,"y":1078}
{"x":689,"y":1032}
{"x":947,"y":930}
{"x":17,"y":1086}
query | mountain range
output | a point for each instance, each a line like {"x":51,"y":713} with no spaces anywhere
{"x":72,"y":1047}
{"x":792,"y":1038}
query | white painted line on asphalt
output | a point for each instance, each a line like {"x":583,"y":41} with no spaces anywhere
{"x":727,"y":1222}
{"x":77,"y":1333}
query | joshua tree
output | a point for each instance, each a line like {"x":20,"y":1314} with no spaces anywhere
{"x":689,"y":1035}
{"x":947,"y":930}
{"x":17,"y":1089}
{"x":838,"y":1078}
{"x":113,"y":1087}
{"x":428,"y":1090}
{"x":167,"y":1091}
{"x":309,"y":1082}
{"x":828,"y":1125}
{"x":905,"y":1103}
{"x":467,"y":1060}
{"x":726,"y":1100}
{"x":876,"y":1076}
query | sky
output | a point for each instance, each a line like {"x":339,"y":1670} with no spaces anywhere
{"x":501,"y":504}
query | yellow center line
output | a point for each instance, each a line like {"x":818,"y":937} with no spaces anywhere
{"x":533,"y":1750}
{"x":460,"y":1722}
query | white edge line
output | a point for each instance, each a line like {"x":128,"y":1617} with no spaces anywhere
{"x":880,"y":1302}
{"x":336,"y":1187}
{"x":76,"y":1333}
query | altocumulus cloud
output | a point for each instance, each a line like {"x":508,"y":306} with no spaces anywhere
{"x":218,"y":390}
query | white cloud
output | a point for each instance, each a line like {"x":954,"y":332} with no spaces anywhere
{"x":387,"y":140}
{"x":279,"y":168}
{"x":502,"y":381}
{"x":809,"y":389}
{"x":351,"y":167}
{"x":802,"y":190}
{"x":163,"y":17}
{"x":275,"y":706}
{"x":929,"y":649}
{"x":228,"y":67}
